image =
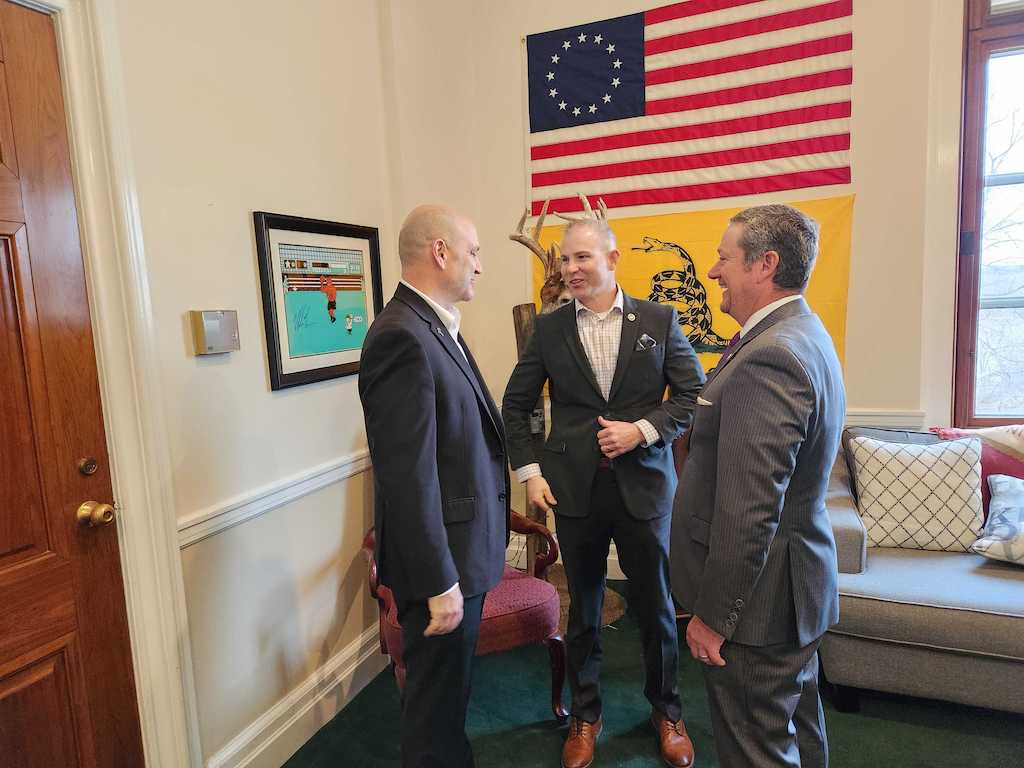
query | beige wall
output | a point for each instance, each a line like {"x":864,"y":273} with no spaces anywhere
{"x":273,"y":600}
{"x":905,"y":117}
{"x":254,"y":108}
{"x":235,"y":107}
{"x":356,"y":111}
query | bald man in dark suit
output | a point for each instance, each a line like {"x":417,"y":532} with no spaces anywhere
{"x":440,"y":479}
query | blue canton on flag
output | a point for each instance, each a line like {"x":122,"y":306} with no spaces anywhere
{"x":586,"y":74}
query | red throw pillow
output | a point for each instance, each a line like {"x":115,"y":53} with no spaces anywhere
{"x":1002,"y":452}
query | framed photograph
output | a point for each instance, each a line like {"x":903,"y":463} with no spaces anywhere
{"x":321,"y":290}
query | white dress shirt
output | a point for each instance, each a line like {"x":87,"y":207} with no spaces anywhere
{"x":450,"y":319}
{"x":600,"y":334}
{"x":763,"y":312}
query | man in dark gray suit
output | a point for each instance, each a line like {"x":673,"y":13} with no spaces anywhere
{"x":752,"y":555}
{"x":606,"y":469}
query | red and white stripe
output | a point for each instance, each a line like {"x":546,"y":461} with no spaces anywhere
{"x":305,"y":282}
{"x":743,"y":97}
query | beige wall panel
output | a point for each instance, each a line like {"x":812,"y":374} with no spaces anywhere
{"x":235,"y":107}
{"x":271,"y":600}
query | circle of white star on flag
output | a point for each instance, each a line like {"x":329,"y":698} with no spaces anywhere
{"x":555,"y":59}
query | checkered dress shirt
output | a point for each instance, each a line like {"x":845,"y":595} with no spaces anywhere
{"x":600,"y":334}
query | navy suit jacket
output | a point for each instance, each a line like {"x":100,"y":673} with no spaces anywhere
{"x":570,"y":457}
{"x":441,"y":487}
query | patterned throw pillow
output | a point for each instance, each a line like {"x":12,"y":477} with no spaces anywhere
{"x":919,"y":496}
{"x":1002,"y":451}
{"x":1003,"y":537}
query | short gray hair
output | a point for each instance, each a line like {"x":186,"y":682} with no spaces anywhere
{"x":598,"y":226}
{"x":791,"y":234}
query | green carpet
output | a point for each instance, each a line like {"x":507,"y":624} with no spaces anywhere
{"x":510,"y":721}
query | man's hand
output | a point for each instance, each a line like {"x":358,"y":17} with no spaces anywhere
{"x":618,"y":437}
{"x":445,"y":612}
{"x":538,"y":493}
{"x":705,"y":644}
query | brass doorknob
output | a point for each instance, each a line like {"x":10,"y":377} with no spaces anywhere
{"x":93,"y":514}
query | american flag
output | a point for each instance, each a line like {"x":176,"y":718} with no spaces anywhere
{"x":694,"y":100}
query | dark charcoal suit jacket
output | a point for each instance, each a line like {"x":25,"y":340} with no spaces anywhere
{"x":441,"y":504}
{"x":570,"y":457}
{"x":752,"y":548}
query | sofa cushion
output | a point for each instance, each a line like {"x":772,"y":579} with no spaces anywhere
{"x":1002,"y":452}
{"x":919,"y":496}
{"x":940,"y":600}
{"x":1003,"y":537}
{"x":886,"y":436}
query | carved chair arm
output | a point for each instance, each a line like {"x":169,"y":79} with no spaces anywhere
{"x":369,"y":545}
{"x":522,"y":524}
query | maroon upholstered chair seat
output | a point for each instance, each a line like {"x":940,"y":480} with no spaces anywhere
{"x":522,"y":610}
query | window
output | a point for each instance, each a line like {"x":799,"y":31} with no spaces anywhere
{"x":1006,"y":6}
{"x":990,"y":288}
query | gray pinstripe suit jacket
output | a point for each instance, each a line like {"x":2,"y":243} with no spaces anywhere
{"x":752,"y":548}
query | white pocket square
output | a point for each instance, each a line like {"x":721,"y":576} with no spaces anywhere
{"x":644,"y":343}
{"x":702,"y":401}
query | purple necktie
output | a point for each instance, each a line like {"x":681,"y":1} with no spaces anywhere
{"x":729,"y":349}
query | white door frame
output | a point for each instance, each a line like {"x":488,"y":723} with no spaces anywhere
{"x":126,"y":355}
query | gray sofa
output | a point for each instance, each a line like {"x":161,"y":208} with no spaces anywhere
{"x":939,"y":625}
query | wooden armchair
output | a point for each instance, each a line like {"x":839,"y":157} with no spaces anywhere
{"x":522,"y":610}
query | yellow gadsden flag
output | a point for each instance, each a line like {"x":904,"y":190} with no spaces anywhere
{"x":667,"y":258}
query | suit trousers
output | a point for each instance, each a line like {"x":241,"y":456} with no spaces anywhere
{"x":765,"y":707}
{"x":437,"y":685}
{"x":642,"y":547}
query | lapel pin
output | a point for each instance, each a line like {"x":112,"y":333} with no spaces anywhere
{"x":631,"y":317}
{"x":439,"y":331}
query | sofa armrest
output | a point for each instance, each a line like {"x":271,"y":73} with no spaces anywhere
{"x":847,"y":527}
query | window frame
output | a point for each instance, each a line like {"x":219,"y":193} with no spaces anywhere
{"x":985,"y":34}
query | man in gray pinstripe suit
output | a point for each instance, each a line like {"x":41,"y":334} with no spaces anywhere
{"x":752,"y":553}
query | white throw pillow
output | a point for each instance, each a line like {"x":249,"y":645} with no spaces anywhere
{"x":1003,"y":538}
{"x":919,"y":496}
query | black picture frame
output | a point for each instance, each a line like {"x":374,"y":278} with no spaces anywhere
{"x":319,"y":237}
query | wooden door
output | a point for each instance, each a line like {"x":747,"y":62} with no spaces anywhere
{"x":67,"y":693}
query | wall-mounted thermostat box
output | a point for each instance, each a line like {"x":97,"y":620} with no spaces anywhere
{"x":214,"y":331}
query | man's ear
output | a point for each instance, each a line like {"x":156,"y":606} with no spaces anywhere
{"x":438,"y":252}
{"x":769,"y":265}
{"x":613,"y":258}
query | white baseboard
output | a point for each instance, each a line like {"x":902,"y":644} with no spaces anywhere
{"x":278,"y":733}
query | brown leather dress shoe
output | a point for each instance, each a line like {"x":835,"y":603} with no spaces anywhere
{"x":676,"y":747}
{"x":578,"y":751}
